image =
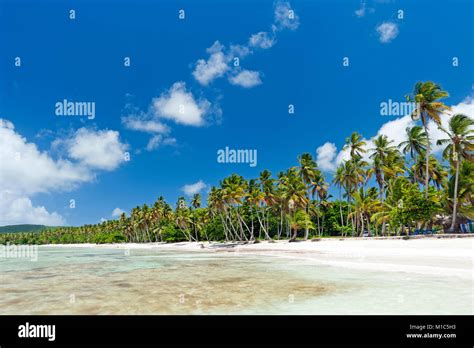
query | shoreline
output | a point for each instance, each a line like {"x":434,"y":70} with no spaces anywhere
{"x":423,"y":255}
{"x":214,"y":245}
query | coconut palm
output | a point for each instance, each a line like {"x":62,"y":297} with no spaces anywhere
{"x":459,"y":146}
{"x":267,"y":187}
{"x":426,"y":96}
{"x":355,"y":145}
{"x":416,"y":142}
{"x":382,"y":155}
{"x":196,"y":201}
{"x":299,"y":219}
{"x":308,"y":172}
{"x":436,"y":173}
{"x":338,"y":180}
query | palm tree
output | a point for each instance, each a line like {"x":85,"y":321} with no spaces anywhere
{"x":426,"y":96}
{"x":416,"y":142}
{"x":234,"y":191}
{"x":196,"y":201}
{"x":297,"y":221}
{"x":436,"y":173}
{"x":269,"y":200}
{"x":356,"y":145}
{"x":338,"y":180}
{"x":364,"y":207}
{"x":386,"y":164}
{"x":381,"y":155}
{"x":459,"y":146}
{"x":309,"y":173}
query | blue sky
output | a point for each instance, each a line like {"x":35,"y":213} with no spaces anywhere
{"x":175,"y":62}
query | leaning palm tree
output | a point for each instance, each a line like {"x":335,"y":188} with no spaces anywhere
{"x":426,"y":96}
{"x":459,"y":146}
{"x":299,"y":219}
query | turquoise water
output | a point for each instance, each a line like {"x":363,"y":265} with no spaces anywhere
{"x":142,"y":281}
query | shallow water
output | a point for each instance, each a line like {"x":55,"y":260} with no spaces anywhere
{"x":141,"y":281}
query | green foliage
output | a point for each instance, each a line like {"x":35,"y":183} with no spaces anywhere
{"x":172,"y":234}
{"x":412,"y":206}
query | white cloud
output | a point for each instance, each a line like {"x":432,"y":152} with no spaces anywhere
{"x":387,"y":31}
{"x":246,"y":79}
{"x":26,"y":171}
{"x":179,"y":105}
{"x":361,"y":11}
{"x":215,"y":66}
{"x":134,"y":122}
{"x":325,"y":156}
{"x":145,"y":123}
{"x":19,"y":209}
{"x":97,"y":149}
{"x":191,"y":189}
{"x":285,"y":17}
{"x":240,"y":51}
{"x":261,"y":40}
{"x":396,"y":129}
{"x":154,"y":142}
{"x":169,"y":141}
{"x":117,"y":212}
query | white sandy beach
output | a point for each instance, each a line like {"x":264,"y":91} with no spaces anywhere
{"x":434,"y":256}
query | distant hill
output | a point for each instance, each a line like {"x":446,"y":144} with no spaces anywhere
{"x":22,"y":228}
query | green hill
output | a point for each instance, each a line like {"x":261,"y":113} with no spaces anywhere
{"x":22,"y":228}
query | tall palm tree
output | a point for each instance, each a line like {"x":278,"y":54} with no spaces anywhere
{"x":338,"y":180}
{"x":308,"y":172}
{"x":436,"y":173}
{"x":319,"y":188}
{"x":426,"y":96}
{"x":356,"y":145}
{"x":196,"y":201}
{"x":416,"y":142}
{"x":386,"y":164}
{"x":459,"y":146}
{"x":269,"y":200}
{"x":382,"y":154}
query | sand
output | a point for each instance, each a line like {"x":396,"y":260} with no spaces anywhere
{"x":451,"y":257}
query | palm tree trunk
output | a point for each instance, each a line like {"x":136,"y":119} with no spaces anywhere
{"x":306,"y":229}
{"x":319,"y":232}
{"x":293,"y":237}
{"x":224,"y":226}
{"x":340,"y":209}
{"x":455,"y":200}
{"x":281,"y":223}
{"x":427,"y":162}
